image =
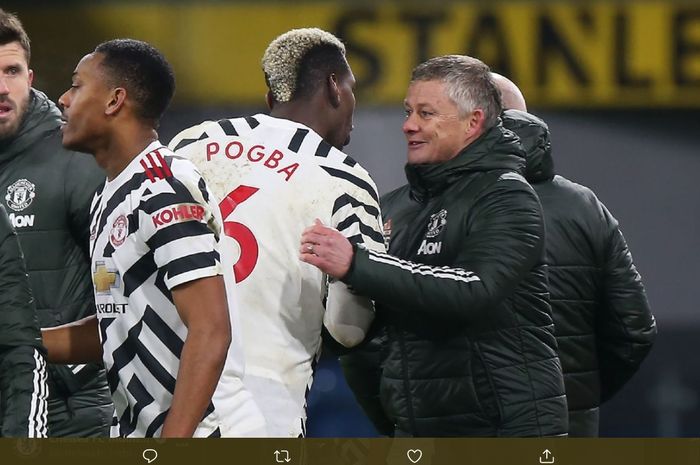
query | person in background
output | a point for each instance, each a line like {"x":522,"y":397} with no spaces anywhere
{"x":164,"y":327}
{"x":462,"y":294}
{"x":274,"y":175}
{"x":511,"y":96}
{"x":23,"y":389}
{"x":47,"y":191}
{"x":602,"y":319}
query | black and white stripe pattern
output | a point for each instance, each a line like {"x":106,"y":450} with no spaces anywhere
{"x":37,"y":421}
{"x":351,"y":181}
{"x":152,"y":231}
{"x":296,"y":177}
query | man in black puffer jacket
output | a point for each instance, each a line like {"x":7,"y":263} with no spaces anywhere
{"x":470,"y":347}
{"x":602,"y":319}
{"x":47,"y":191}
{"x":23,"y":389}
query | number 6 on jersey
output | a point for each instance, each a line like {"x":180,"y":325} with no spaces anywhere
{"x":240,"y":232}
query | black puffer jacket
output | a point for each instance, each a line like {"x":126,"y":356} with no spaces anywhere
{"x":47,"y":191}
{"x":23,"y":389}
{"x":603,"y":323}
{"x":470,"y":345}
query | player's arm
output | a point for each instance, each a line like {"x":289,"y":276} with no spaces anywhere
{"x":348,"y":315}
{"x":76,"y":342}
{"x":483,"y":272}
{"x":203,"y":308}
{"x":357,"y":217}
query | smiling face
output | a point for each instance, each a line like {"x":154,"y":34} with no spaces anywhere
{"x":434,"y":129}
{"x":15,"y":83}
{"x":84,"y":105}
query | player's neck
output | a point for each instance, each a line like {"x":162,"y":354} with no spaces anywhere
{"x":122,"y":149}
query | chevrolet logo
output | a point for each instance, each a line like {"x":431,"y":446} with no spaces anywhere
{"x":103,"y":278}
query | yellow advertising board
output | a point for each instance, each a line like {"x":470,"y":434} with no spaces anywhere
{"x":598,"y":54}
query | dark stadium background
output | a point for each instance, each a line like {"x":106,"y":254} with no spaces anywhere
{"x":632,"y":138}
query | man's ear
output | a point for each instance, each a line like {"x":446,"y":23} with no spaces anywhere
{"x":116,"y":101}
{"x":333,"y":90}
{"x":269,"y":100}
{"x":475,"y":122}
{"x":31,"y":77}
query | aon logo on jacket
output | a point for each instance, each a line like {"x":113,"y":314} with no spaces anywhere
{"x":21,"y":221}
{"x":436,"y":224}
{"x":429,"y":248}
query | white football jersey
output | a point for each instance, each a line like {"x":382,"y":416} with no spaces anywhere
{"x":274,"y":178}
{"x":153,"y":227}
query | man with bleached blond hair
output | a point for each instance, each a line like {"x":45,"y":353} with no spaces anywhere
{"x":274,"y":174}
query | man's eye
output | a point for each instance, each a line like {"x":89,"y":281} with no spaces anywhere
{"x":407,"y":113}
{"x":426,"y":114}
{"x":13,"y":70}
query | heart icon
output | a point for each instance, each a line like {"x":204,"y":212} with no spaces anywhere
{"x":414,"y":455}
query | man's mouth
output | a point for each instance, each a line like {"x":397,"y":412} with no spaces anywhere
{"x":5,"y":109}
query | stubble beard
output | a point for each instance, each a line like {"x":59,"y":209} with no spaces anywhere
{"x":9,"y":130}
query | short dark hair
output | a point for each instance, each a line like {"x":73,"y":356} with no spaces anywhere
{"x":468,"y":82}
{"x":11,"y":30}
{"x":316,"y":66}
{"x":143,"y":71}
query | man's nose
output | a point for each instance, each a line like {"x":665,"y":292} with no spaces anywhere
{"x":4,"y":88}
{"x":409,"y":124}
{"x":62,"y":101}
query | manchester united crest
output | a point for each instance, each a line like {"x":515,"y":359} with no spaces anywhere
{"x":120,"y":229}
{"x":436,"y":223}
{"x":20,"y":194}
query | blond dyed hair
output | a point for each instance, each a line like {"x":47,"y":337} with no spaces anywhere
{"x":282,"y":60}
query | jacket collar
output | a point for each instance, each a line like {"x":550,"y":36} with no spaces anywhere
{"x":497,"y":148}
{"x":535,"y":140}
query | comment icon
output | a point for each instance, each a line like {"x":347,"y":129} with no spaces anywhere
{"x":150,"y":455}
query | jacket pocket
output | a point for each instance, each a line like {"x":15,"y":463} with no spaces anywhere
{"x":485,"y":388}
